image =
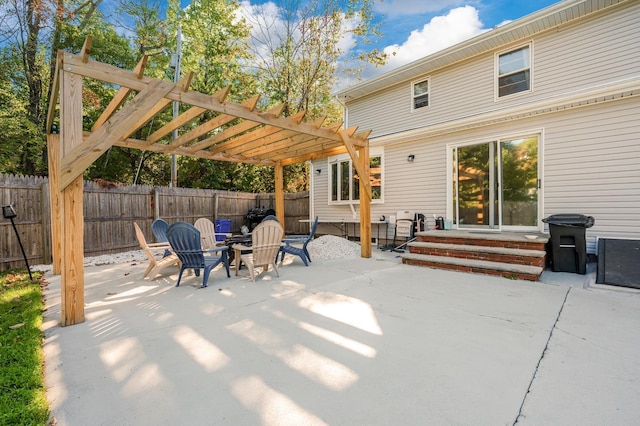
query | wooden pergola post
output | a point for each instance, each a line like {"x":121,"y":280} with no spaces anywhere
{"x":365,"y":203}
{"x":358,"y":150}
{"x":279,"y":182}
{"x":53,"y":155}
{"x":71,"y":216}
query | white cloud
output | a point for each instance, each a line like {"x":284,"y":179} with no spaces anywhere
{"x":441,"y":32}
{"x":393,"y":8}
{"x":267,"y":27}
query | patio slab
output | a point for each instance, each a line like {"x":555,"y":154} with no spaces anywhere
{"x":343,"y":342}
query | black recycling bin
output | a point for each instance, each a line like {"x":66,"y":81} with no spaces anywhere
{"x":568,"y":242}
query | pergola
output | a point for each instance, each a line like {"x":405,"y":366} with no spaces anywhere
{"x":238,"y":132}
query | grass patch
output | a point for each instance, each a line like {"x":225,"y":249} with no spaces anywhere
{"x":23,"y":399}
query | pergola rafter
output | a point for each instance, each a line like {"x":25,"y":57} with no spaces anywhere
{"x":236,"y":132}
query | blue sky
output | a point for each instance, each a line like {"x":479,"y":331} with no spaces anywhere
{"x":413,"y":29}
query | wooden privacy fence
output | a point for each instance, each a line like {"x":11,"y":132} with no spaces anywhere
{"x":110,"y":210}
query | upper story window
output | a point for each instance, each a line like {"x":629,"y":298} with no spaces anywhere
{"x":345,"y":183}
{"x":421,"y":94}
{"x":514,"y":71}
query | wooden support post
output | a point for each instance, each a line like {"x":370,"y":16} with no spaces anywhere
{"x":279,"y":178}
{"x":359,"y":154}
{"x":365,"y":204}
{"x":55,"y":208}
{"x":72,"y":277}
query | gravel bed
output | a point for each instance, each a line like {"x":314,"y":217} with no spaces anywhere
{"x":324,"y":247}
{"x":332,"y":247}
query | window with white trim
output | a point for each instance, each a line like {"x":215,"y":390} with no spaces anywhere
{"x":514,"y":71}
{"x":344,"y":182}
{"x":420,"y":94}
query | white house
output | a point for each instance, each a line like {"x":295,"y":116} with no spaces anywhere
{"x":538,"y":117}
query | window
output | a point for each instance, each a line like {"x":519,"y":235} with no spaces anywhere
{"x":514,"y":71}
{"x":421,"y":94}
{"x":345,"y":182}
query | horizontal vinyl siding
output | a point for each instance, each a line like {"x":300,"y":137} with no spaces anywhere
{"x":463,"y":90}
{"x":420,"y":185}
{"x":383,"y":112}
{"x":563,"y":62}
{"x":592,"y":166}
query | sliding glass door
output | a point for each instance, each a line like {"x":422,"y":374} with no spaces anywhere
{"x":495,"y":184}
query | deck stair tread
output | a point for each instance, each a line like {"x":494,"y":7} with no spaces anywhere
{"x":473,"y":248}
{"x":486,"y":235}
{"x":480,"y":264}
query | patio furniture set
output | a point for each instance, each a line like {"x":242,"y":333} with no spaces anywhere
{"x":199,"y":247}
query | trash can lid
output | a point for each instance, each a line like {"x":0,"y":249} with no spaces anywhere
{"x":570,"y":219}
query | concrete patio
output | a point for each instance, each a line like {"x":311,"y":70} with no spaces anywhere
{"x":344,"y":342}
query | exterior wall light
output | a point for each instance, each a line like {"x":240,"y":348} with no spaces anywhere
{"x":410,"y":158}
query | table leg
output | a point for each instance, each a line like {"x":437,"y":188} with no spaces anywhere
{"x":236,"y":255}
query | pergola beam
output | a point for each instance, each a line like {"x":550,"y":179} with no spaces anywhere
{"x":120,"y":96}
{"x":206,"y":155}
{"x":209,"y":126}
{"x":115,"y":75}
{"x":218,"y":142}
{"x":75,"y":162}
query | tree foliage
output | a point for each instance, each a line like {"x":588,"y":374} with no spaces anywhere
{"x":290,"y":52}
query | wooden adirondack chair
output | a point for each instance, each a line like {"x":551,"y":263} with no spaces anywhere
{"x":155,"y":264}
{"x":266,"y":239}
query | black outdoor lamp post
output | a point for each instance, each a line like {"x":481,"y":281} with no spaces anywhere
{"x":8,"y":212}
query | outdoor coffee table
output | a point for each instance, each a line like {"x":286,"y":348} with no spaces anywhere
{"x":242,"y":239}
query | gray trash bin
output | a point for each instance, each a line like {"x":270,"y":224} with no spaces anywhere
{"x":568,"y":242}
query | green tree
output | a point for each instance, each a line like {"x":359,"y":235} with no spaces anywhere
{"x":215,"y":47}
{"x":16,"y":128}
{"x":300,"y":55}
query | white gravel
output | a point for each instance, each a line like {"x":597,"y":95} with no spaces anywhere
{"x":332,"y":247}
{"x":104,"y":259}
{"x":324,"y":247}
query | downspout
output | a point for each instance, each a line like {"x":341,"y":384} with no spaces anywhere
{"x":345,"y":114}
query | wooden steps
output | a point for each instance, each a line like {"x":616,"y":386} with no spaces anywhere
{"x":509,"y":255}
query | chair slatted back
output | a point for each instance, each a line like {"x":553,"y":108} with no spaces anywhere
{"x":159,"y":228}
{"x":207,"y":232}
{"x":266,"y":239}
{"x":186,"y":242}
{"x":143,"y":241}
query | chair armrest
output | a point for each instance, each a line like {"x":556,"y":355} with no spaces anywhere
{"x":241,"y":247}
{"x":159,"y":245}
{"x":295,"y":238}
{"x":216,"y":249}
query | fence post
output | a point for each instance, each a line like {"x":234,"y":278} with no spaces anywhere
{"x":156,"y":203}
{"x":46,"y":219}
{"x":215,"y":207}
